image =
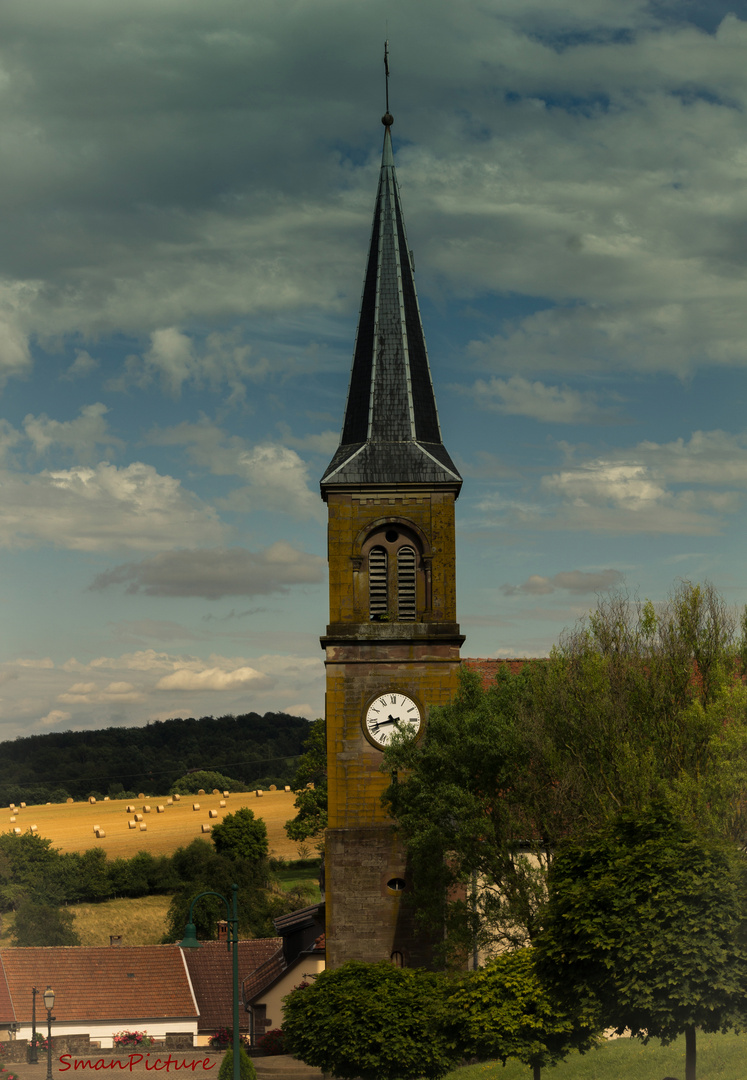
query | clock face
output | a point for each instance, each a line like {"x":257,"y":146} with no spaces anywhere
{"x":388,"y":713}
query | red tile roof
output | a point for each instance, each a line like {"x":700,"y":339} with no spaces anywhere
{"x":101,"y":983}
{"x":487,"y":667}
{"x":258,"y":982}
{"x":211,"y":970}
{"x":7,"y":1013}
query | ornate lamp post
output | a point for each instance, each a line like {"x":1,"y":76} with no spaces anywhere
{"x":49,"y":1005}
{"x":190,"y":942}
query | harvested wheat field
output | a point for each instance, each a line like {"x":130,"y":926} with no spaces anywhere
{"x":70,"y":826}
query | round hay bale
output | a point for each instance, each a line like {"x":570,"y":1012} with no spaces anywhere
{"x":207,"y":828}
{"x":12,"y":820}
{"x":141,"y":794}
{"x":16,"y":831}
{"x":222,"y":802}
{"x":143,"y":827}
{"x":106,"y":798}
{"x":131,"y":824}
{"x":160,"y":809}
{"x":23,"y":805}
{"x":96,"y":828}
{"x":226,"y":794}
{"x":92,"y":799}
{"x":101,"y":833}
{"x":146,"y":809}
{"x":287,"y":787}
{"x":169,"y":802}
{"x":68,"y":801}
{"x":215,"y":791}
{"x":195,"y":806}
{"x":272,"y":787}
{"x":33,"y":828}
{"x":259,"y":793}
{"x":138,"y":817}
{"x":212,"y":813}
{"x":177,"y":798}
{"x":201,"y":791}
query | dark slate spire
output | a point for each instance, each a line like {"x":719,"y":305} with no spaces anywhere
{"x":391,"y":432}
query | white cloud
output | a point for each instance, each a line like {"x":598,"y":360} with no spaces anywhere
{"x":103,"y":508}
{"x":213,"y":573}
{"x":81,"y":435}
{"x":54,"y":718}
{"x":518,"y":396}
{"x":278,"y":480}
{"x":574,"y":581}
{"x":212,"y":679}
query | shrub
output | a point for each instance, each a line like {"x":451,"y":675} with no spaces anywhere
{"x":272,"y":1042}
{"x":246,"y":1069}
{"x":373,"y":1021}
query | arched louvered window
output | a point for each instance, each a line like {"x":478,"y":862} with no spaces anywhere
{"x":378,"y":605}
{"x":406,"y":590}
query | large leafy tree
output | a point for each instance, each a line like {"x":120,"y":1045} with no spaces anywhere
{"x":37,"y":923}
{"x":372,"y":1021}
{"x":311,"y":802}
{"x":242,"y":836}
{"x":646,"y":928}
{"x":503,"y":1011}
{"x":635,"y":704}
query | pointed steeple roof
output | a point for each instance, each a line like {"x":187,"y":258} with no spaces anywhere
{"x":391,"y":432}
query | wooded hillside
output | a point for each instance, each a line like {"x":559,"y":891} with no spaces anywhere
{"x":116,"y":761}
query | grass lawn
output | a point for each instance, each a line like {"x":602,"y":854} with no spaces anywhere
{"x":720,"y":1057}
{"x":308,"y":876}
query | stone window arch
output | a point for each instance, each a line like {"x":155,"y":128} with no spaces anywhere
{"x":393,"y":562}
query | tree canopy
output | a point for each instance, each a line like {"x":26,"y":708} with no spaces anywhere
{"x":242,"y":836}
{"x":636,"y":704}
{"x":311,"y":802}
{"x":645,"y":928}
{"x":373,"y":1021}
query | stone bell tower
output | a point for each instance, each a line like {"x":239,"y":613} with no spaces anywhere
{"x":392,"y":643}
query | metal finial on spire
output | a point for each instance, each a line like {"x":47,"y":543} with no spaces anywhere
{"x":387,"y":119}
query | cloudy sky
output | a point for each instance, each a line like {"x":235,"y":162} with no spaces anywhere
{"x":185,"y":205}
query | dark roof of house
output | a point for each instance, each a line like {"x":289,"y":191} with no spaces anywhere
{"x":269,"y":972}
{"x":211,"y":971}
{"x":297,"y":920}
{"x":391,"y":432}
{"x":101,"y":983}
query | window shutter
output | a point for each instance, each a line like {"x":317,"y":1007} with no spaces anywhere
{"x":377,"y":583}
{"x":406,"y":583}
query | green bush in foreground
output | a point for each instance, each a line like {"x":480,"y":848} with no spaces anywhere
{"x":247,"y":1070}
{"x":372,"y":1021}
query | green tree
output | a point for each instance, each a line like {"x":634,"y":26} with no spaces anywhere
{"x":205,"y":779}
{"x":311,"y":802}
{"x":372,"y":1021}
{"x":636,"y":704}
{"x":246,"y":1066}
{"x":503,"y":1011}
{"x":43,"y":924}
{"x":202,"y":869}
{"x":645,"y":928}
{"x":242,"y":836}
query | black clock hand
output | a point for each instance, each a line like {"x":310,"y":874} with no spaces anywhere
{"x":382,"y":723}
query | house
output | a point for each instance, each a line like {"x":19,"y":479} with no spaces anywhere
{"x":300,"y":958}
{"x":211,"y":973}
{"x":99,"y":991}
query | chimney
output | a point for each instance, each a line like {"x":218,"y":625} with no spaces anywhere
{"x":222,"y":930}
{"x":115,"y":939}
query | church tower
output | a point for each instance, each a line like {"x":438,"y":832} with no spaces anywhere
{"x":392,"y":643}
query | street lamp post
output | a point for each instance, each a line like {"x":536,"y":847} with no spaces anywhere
{"x":190,"y":942}
{"x":49,"y":1005}
{"x":33,"y":1049}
